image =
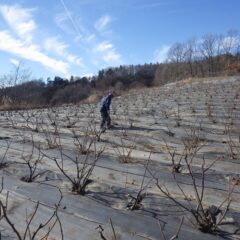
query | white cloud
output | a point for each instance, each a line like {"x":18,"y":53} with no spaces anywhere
{"x":87,"y":74}
{"x":111,"y":56}
{"x":90,"y":38}
{"x":19,"y":39}
{"x":14,"y":61}
{"x":160,"y":55}
{"x":20,"y":20}
{"x":52,"y":44}
{"x":107,"y":52}
{"x":31,"y":52}
{"x":74,"y":59}
{"x":103,"y":51}
{"x":102,"y":23}
{"x":60,"y":48}
{"x":103,"y":46}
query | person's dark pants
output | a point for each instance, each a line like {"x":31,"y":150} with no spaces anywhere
{"x":105,"y":118}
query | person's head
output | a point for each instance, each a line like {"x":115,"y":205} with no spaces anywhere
{"x":110,"y":94}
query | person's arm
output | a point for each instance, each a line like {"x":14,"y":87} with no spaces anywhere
{"x":108,"y":103}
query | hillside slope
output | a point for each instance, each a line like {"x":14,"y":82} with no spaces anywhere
{"x":173,"y":137}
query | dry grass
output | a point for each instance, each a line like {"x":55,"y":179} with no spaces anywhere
{"x":94,"y":98}
{"x":184,"y":82}
{"x":6,"y":103}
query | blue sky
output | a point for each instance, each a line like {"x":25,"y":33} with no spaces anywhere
{"x":80,"y":37}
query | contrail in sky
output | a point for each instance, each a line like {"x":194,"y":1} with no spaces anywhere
{"x":70,"y":18}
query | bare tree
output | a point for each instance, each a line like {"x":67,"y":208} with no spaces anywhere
{"x":208,"y":48}
{"x":176,"y":56}
{"x":230,"y":42}
{"x":190,"y":55}
{"x":19,"y":74}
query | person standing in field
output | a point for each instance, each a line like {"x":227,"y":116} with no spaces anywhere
{"x":105,"y":111}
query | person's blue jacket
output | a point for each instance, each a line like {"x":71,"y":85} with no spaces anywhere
{"x":105,"y":102}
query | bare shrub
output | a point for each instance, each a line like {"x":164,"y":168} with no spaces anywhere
{"x":3,"y":162}
{"x":233,"y":147}
{"x":83,"y":170}
{"x":176,"y":235}
{"x":51,"y":131}
{"x":32,"y":162}
{"x":125,"y":148}
{"x":101,"y":230}
{"x":176,"y":163}
{"x":31,"y":232}
{"x":114,"y":235}
{"x":177,"y":116}
{"x":30,"y":119}
{"x":205,"y":216}
{"x":94,"y":131}
{"x":11,"y":119}
{"x":84,"y":161}
{"x":127,"y":118}
{"x":70,"y":122}
{"x":209,"y":111}
{"x":135,"y":202}
{"x":83,"y":143}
